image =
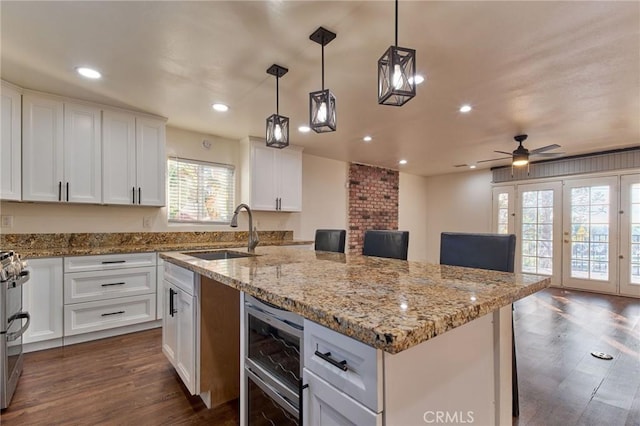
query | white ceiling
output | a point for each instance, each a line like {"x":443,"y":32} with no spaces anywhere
{"x":566,"y":73}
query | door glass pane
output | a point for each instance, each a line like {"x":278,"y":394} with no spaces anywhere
{"x":503,"y":213}
{"x":537,"y":232}
{"x":635,"y":234}
{"x":590,"y":232}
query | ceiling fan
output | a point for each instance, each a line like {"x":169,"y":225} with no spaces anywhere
{"x":520,"y":156}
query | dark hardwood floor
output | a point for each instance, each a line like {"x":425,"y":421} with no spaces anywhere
{"x":127,"y":380}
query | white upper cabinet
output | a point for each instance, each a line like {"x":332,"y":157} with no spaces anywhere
{"x":61,"y":150}
{"x":10,"y":144}
{"x":42,"y":148}
{"x":151,"y":161}
{"x":275,"y":177}
{"x":118,"y":158}
{"x":82,"y":154}
{"x":134,"y":161}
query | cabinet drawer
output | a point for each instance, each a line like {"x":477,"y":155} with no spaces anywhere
{"x":93,"y":316}
{"x":362,"y":379}
{"x":179,"y":276}
{"x":325,"y":405}
{"x":108,"y":261}
{"x":100,"y":285}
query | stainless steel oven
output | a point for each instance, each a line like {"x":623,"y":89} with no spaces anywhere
{"x":273,"y":364}
{"x":13,"y":323}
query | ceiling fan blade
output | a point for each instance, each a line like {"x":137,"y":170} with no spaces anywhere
{"x":544,"y":148}
{"x":549,"y":154}
{"x":503,"y":152}
{"x":494,"y":159}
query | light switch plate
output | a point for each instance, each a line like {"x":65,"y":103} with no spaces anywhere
{"x":147,"y":221}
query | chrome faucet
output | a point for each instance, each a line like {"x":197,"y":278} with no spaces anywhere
{"x":253,"y":233}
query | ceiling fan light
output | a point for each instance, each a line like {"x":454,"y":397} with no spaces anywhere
{"x":520,"y":160}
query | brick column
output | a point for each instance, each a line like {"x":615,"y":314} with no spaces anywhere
{"x":373,"y":202}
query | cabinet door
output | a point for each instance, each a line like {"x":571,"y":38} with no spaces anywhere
{"x":169,"y":322}
{"x":82,"y":154}
{"x":263,"y":181}
{"x":42,"y":298}
{"x":151,"y":162}
{"x":289,"y":174}
{"x":324,"y":405}
{"x":42,"y":148}
{"x":186,"y":348}
{"x":118,"y":158}
{"x":10,"y":145}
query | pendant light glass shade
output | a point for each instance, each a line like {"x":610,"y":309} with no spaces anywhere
{"x":322,"y":103}
{"x":277,"y":133}
{"x":396,"y":73}
{"x":322,"y":111}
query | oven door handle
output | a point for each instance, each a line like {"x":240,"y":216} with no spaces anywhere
{"x":274,"y":321}
{"x":272,"y":393}
{"x":16,"y":334}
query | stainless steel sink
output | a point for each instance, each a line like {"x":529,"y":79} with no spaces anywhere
{"x":218,"y":254}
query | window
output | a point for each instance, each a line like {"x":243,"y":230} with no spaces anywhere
{"x":200,"y":191}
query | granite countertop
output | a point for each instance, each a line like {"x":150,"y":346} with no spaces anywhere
{"x":28,"y":253}
{"x":386,"y":303}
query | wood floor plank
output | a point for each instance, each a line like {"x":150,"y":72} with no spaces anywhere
{"x":126,"y":380}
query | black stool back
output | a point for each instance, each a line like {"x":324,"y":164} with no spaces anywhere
{"x":330,"y":240}
{"x":390,"y":244}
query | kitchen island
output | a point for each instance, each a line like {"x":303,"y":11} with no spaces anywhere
{"x":442,"y":333}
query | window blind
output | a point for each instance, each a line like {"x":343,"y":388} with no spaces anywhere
{"x":200,"y":191}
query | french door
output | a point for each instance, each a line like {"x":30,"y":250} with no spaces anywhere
{"x":538,"y":229}
{"x":503,"y":198}
{"x":630,"y":235}
{"x":590,"y":234}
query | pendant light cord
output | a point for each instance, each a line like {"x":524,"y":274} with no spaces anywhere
{"x":277,"y":97}
{"x":396,"y":23}
{"x":323,"y":63}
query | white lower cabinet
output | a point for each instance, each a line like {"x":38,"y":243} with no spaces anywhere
{"x":110,"y":313}
{"x":324,"y":405}
{"x":105,"y":292}
{"x":42,"y":298}
{"x":180,"y":329}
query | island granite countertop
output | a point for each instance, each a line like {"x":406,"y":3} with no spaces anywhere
{"x":389,"y":304}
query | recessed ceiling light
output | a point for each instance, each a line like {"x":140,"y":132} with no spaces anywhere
{"x":220,"y":107}
{"x":304,"y":129}
{"x":465,"y":108}
{"x":367,"y":138}
{"x":418,"y":79}
{"x":402,"y":162}
{"x":88,"y":72}
{"x":472,"y":166}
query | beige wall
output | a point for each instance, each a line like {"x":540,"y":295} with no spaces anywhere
{"x":324,"y":195}
{"x":412,"y":213}
{"x":459,"y":202}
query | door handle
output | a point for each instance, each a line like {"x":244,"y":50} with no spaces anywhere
{"x":139,"y":195}
{"x":133,"y":194}
{"x":67,"y":191}
{"x":342,"y":365}
{"x":60,"y":191}
{"x":20,"y":315}
{"x":171,"y":293}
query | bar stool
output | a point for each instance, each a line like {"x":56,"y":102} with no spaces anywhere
{"x":389,"y":244}
{"x":495,"y":252}
{"x":330,"y":240}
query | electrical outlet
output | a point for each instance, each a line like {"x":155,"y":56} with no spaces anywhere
{"x":7,"y":221}
{"x":147,"y":221}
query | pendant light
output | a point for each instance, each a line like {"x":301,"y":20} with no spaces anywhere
{"x":322,"y":103}
{"x":396,"y":74}
{"x":277,"y":125}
